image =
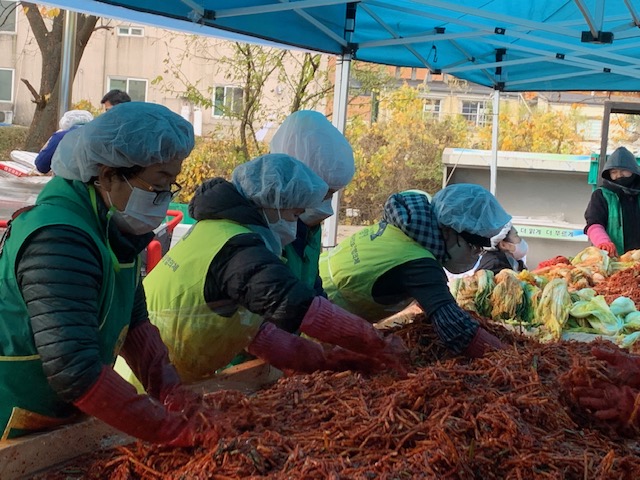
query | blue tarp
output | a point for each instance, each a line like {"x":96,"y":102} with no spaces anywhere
{"x":511,"y":45}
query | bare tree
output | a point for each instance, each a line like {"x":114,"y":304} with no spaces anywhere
{"x":49,"y":39}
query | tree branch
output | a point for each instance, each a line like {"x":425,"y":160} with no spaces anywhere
{"x":37,"y":98}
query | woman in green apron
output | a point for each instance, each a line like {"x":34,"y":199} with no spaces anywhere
{"x":224,"y":286}
{"x":72,"y":298}
{"x":381,"y":269}
{"x":311,"y":138}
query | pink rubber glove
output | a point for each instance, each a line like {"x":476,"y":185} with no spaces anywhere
{"x":623,"y":367}
{"x":289,"y":352}
{"x":148,"y":359}
{"x":331,"y":324}
{"x":599,"y":237}
{"x":481,"y":343}
{"x":115,"y":401}
{"x":611,"y":403}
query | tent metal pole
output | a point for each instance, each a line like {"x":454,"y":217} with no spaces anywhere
{"x":495,"y":126}
{"x":68,"y":61}
{"x":339,"y":120}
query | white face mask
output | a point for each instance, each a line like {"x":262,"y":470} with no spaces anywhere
{"x":285,"y":230}
{"x":521,"y":250}
{"x":313,"y":216}
{"x":141,"y":215}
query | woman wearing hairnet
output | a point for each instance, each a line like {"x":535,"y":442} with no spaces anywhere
{"x":311,"y":138}
{"x":379,"y":270}
{"x":507,"y":250}
{"x":70,"y":121}
{"x":213,"y":291}
{"x":70,"y":270}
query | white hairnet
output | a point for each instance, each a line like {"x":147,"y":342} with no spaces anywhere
{"x":279,"y":181}
{"x":74,"y":117}
{"x":129,"y":134}
{"x":501,"y":235}
{"x":466,"y":207}
{"x":311,"y":138}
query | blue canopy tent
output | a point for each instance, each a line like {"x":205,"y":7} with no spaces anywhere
{"x":512,"y":46}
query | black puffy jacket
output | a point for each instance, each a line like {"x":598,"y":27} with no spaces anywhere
{"x":60,"y":274}
{"x":245,"y":270}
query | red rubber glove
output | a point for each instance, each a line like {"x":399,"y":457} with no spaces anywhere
{"x":609,"y":247}
{"x":624,"y":368}
{"x":331,"y":324}
{"x":148,"y":359}
{"x":611,"y":403}
{"x":553,"y":261}
{"x":481,"y":343}
{"x":289,"y":352}
{"x":115,"y":401}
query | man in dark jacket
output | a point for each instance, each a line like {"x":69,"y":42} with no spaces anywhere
{"x":614,"y":209}
{"x":224,"y":287}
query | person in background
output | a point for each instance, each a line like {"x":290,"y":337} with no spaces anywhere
{"x":69,"y":268}
{"x":113,"y":98}
{"x":224,"y":286}
{"x":311,"y":138}
{"x":69,"y":121}
{"x":614,"y":209}
{"x":507,"y":250}
{"x":379,"y":270}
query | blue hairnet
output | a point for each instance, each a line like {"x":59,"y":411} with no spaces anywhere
{"x":279,"y":181}
{"x":466,"y":207}
{"x":129,"y":134}
{"x":308,"y":136}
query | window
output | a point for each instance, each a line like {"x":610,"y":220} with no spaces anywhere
{"x":8,"y":16}
{"x":135,"y":87}
{"x":6,"y":85}
{"x":124,"y":31}
{"x":590,"y":129}
{"x":474,"y":112}
{"x":431,"y":108}
{"x":227,"y":101}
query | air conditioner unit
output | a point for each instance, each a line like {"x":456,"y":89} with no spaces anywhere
{"x":6,"y":116}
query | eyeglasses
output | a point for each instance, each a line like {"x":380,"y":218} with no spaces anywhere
{"x":161,"y":195}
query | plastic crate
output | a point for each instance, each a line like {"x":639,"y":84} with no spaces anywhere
{"x":592,"y":179}
{"x":184,"y":208}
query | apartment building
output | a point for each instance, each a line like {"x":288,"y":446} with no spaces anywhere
{"x":151,"y":64}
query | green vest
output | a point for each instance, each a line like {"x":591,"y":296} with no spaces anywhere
{"x":305,"y":268}
{"x":27,"y":402}
{"x":615,"y":228}
{"x":201,"y":337}
{"x":350,"y":270}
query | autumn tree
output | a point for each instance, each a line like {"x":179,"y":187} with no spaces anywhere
{"x":535,"y":129}
{"x":402,"y":150}
{"x":47,"y":27}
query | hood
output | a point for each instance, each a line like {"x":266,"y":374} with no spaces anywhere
{"x":217,"y":199}
{"x":622,"y":158}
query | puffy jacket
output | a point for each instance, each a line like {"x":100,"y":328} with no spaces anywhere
{"x":245,"y":270}
{"x":60,"y":275}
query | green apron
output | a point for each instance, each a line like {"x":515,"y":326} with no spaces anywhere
{"x":201,"y":337}
{"x":27,"y":402}
{"x":615,"y":227}
{"x":350,"y":270}
{"x":305,"y":268}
